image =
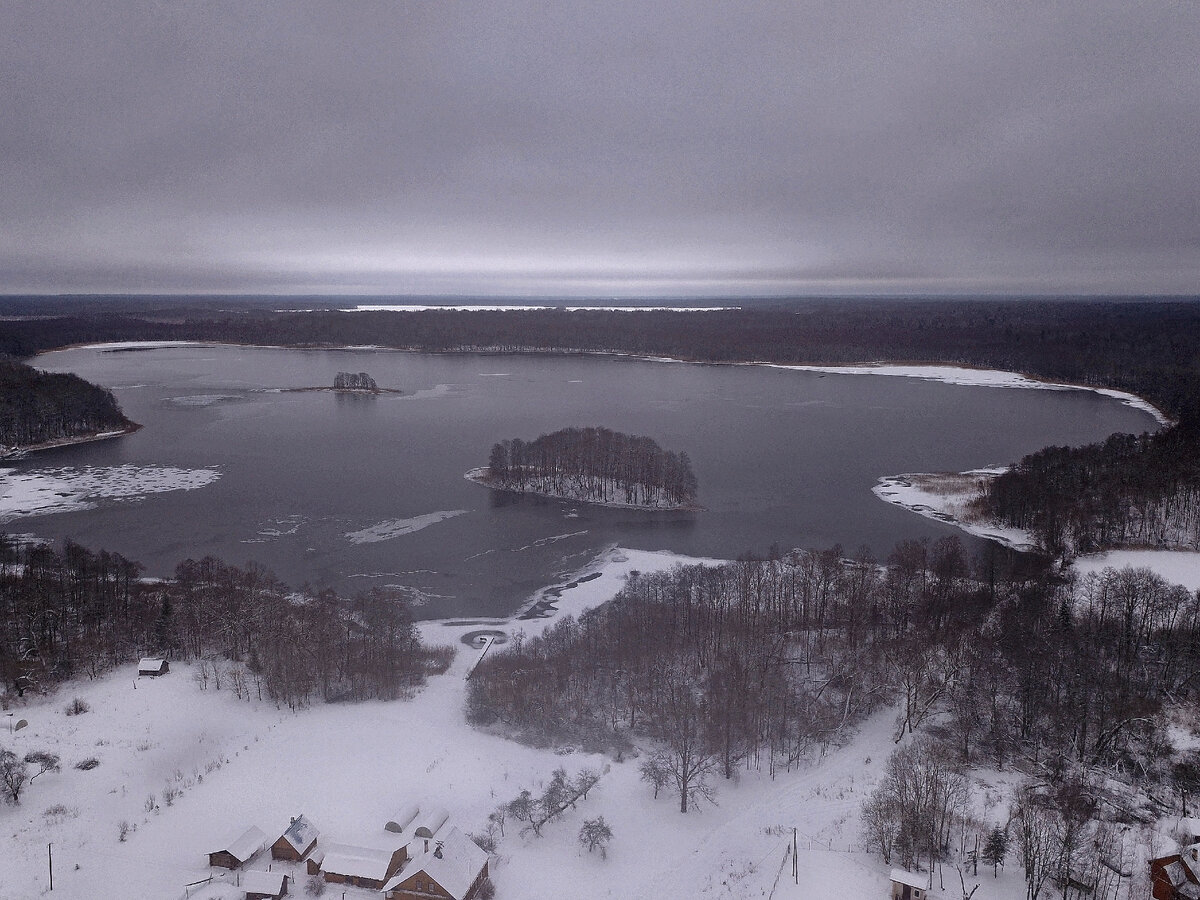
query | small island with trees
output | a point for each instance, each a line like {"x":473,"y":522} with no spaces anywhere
{"x":592,"y":465}
{"x":46,"y":409}
{"x":352,"y":383}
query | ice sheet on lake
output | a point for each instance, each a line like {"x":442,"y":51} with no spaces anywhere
{"x":39,"y":492}
{"x":392,"y":528}
{"x":204,"y":399}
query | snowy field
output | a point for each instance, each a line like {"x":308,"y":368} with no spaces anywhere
{"x":350,"y":767}
{"x":1176,"y":566}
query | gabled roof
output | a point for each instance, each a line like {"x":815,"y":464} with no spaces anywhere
{"x":262,"y":882}
{"x":245,"y":846}
{"x":455,"y":867}
{"x":365,"y":862}
{"x":300,"y":834}
{"x":150,"y":664}
{"x":900,"y":876}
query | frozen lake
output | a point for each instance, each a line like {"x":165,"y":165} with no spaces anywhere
{"x":360,"y":491}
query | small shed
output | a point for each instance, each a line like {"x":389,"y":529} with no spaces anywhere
{"x":907,"y":886}
{"x":430,"y":822}
{"x":239,"y":851}
{"x":453,"y":867}
{"x":403,"y":820}
{"x":315,"y":860}
{"x":264,"y":885}
{"x":296,"y":842}
{"x":153,"y":665}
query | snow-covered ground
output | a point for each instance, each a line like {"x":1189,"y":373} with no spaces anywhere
{"x":38,"y":492}
{"x":350,"y":767}
{"x":1176,"y":566}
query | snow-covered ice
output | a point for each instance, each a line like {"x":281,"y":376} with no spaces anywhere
{"x":39,"y":492}
{"x":393,"y":528}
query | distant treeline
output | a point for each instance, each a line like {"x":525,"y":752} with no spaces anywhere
{"x":36,"y":406}
{"x":1127,"y":491}
{"x":1147,"y":347}
{"x":597,"y":465}
{"x":77,"y":612}
{"x":757,"y":663}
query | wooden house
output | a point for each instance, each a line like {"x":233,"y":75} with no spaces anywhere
{"x":264,"y":885}
{"x":1176,"y":877}
{"x":154,"y":666}
{"x":239,"y":851}
{"x":454,"y":868}
{"x":365,"y":867}
{"x":907,"y":886}
{"x":296,"y":842}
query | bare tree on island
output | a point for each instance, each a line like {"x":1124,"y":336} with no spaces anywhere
{"x":596,"y":465}
{"x":352,"y":381}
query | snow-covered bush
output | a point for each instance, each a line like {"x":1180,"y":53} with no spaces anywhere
{"x":77,"y":707}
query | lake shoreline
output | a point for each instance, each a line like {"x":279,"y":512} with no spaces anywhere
{"x":926,"y":370}
{"x":20,"y":451}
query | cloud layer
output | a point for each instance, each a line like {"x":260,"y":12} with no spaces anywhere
{"x":600,"y":148}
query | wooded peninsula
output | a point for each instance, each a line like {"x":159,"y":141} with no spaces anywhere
{"x":594,"y":465}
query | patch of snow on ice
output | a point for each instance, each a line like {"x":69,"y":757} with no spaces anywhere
{"x":39,"y":492}
{"x":393,"y":528}
{"x":202,"y":399}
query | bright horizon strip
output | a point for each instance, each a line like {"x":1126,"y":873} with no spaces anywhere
{"x":520,"y":308}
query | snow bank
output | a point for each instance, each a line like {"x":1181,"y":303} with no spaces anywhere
{"x":39,"y":492}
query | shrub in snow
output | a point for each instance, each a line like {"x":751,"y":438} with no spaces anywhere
{"x":151,"y":803}
{"x":170,"y":792}
{"x":594,"y":834}
{"x":87,"y":764}
{"x":12,"y":775}
{"x":45,"y":762}
{"x":315,"y":886}
{"x":77,"y":707}
{"x":487,"y":890}
{"x":122,"y":830}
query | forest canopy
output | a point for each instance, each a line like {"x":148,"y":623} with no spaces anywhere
{"x":596,"y":465}
{"x":39,"y":407}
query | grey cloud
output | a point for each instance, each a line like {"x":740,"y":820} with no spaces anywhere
{"x":621,"y":147}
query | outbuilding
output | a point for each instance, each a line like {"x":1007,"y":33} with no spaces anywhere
{"x":365,"y":867}
{"x":153,"y":665}
{"x":296,"y":842}
{"x":239,"y":851}
{"x":907,"y":886}
{"x":264,"y":885}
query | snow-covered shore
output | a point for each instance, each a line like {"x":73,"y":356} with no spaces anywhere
{"x":480,"y":476}
{"x":946,"y":497}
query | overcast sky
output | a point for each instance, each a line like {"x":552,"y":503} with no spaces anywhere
{"x":600,"y":147}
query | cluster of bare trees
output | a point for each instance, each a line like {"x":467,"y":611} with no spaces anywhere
{"x":595,"y":464}
{"x":76,"y":612}
{"x":1126,"y":491}
{"x":351,"y":381}
{"x":36,"y":406}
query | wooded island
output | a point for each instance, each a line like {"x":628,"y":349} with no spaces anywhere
{"x":595,"y":465}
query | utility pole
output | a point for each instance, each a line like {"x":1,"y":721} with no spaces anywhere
{"x":50,"y":857}
{"x":795,"y":861}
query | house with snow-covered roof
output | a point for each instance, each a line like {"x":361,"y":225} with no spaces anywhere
{"x":296,"y":842}
{"x":453,"y":868}
{"x":240,"y":850}
{"x":153,"y":665}
{"x":366,"y":867}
